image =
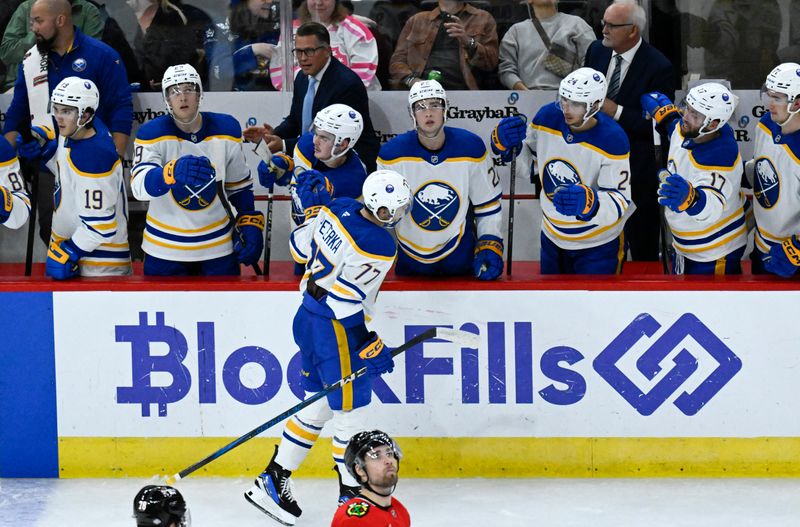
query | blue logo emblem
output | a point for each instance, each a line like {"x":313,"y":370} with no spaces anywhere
{"x":688,"y":326}
{"x":87,"y":85}
{"x":557,"y":173}
{"x":744,"y":121}
{"x":79,"y":65}
{"x":389,"y":189}
{"x":435,"y":206}
{"x":513,"y":98}
{"x":195,"y":198}
{"x":766,"y":183}
{"x":725,"y":97}
{"x":596,"y":77}
{"x":251,"y":121}
{"x":352,"y":115}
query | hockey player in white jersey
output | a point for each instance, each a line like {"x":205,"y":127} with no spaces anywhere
{"x":452,"y":179}
{"x":582,"y":158}
{"x":188,"y":164}
{"x":15,"y":207}
{"x":89,"y":235}
{"x":701,"y":187}
{"x":347,"y":251}
{"x":327,"y":148}
{"x":775,"y":175}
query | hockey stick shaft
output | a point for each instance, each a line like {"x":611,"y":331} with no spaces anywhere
{"x":461,"y":337}
{"x":268,"y":232}
{"x":662,"y":220}
{"x":227,"y":206}
{"x":511,"y":204}
{"x":32,"y":170}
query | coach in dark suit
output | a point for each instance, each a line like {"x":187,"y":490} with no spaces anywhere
{"x":333,"y":83}
{"x":633,"y":67}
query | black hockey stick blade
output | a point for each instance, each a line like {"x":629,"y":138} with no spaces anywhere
{"x":462,"y":338}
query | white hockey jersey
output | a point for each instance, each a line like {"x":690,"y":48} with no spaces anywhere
{"x":183,"y":225}
{"x":598,"y":158}
{"x":89,"y":203}
{"x":776,"y":184}
{"x":11,"y":179}
{"x":714,"y":168}
{"x":348,"y":255}
{"x":445,"y":184}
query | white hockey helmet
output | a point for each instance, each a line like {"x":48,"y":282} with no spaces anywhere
{"x":587,"y":86}
{"x":714,"y":101}
{"x":180,"y":74}
{"x":342,"y":122}
{"x":78,"y":93}
{"x":785,"y":78}
{"x":429,"y":89}
{"x":387,"y":189}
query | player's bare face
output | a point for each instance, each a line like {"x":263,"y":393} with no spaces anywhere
{"x":573,"y":111}
{"x":381,"y":467}
{"x":66,"y":119}
{"x":776,"y":104}
{"x":429,"y":115}
{"x":184,"y":100}
{"x":323,"y":145}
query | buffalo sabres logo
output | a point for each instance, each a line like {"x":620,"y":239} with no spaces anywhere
{"x":766,"y":183}
{"x":78,"y":65}
{"x":557,"y":173}
{"x":195,"y":198}
{"x":435,"y":206}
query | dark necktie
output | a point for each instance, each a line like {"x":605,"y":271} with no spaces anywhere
{"x":613,"y":84}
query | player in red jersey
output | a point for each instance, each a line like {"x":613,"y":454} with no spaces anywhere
{"x":373,"y":458}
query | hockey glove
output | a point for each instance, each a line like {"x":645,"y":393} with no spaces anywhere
{"x":508,"y":136}
{"x":250,"y":243}
{"x":679,"y":195}
{"x":576,"y":200}
{"x":192,"y":171}
{"x":8,"y":204}
{"x":279,"y":170}
{"x":784,"y":259}
{"x":313,"y":190}
{"x":62,"y":260}
{"x":376,"y":355}
{"x":488,"y":262}
{"x":657,"y":106}
{"x":43,"y":145}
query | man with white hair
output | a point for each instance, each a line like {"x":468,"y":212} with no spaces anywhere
{"x":633,"y":67}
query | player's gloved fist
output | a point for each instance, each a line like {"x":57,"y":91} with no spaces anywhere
{"x":657,"y":106}
{"x":784,"y":259}
{"x":278,"y":170}
{"x":313,"y":190}
{"x":488,"y":262}
{"x":249,"y":245}
{"x":508,"y":136}
{"x":376,"y":355}
{"x":62,"y":260}
{"x":7,"y":205}
{"x":679,"y":195}
{"x":576,"y":200}
{"x":192,"y":171}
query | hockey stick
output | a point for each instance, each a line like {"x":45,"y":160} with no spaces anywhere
{"x":236,"y":232}
{"x":463,"y":338}
{"x":511,"y":186}
{"x":31,"y":173}
{"x":663,"y":228}
{"x":268,"y":231}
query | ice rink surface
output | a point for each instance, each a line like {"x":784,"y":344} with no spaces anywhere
{"x":218,"y":502}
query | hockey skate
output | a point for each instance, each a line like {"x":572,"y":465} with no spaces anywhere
{"x":346,"y":492}
{"x":272,"y":494}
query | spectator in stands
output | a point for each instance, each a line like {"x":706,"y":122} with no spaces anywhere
{"x":524,"y":59}
{"x":447,"y":44}
{"x":633,"y":67}
{"x":390,"y":17}
{"x":741,"y":40}
{"x":7,"y":9}
{"x":252,"y":26}
{"x":170,"y":32}
{"x":351,"y":42}
{"x":18,"y":37}
{"x":332,"y":82}
{"x":69,"y":52}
